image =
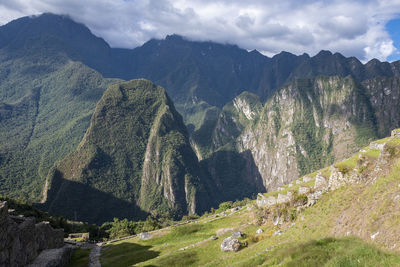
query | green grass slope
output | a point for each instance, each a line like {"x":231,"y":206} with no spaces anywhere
{"x":354,"y":223}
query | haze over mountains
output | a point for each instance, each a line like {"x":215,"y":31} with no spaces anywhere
{"x":253,"y":122}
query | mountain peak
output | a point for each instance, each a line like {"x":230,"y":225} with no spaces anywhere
{"x":324,"y":53}
{"x":175,"y":38}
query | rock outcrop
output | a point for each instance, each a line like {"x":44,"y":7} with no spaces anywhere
{"x":230,"y":244}
{"x":21,"y":240}
{"x":364,"y":167}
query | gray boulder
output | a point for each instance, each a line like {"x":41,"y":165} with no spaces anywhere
{"x":264,"y":202}
{"x":259,"y":231}
{"x":284,"y":198}
{"x":277,"y":232}
{"x":237,"y":234}
{"x":320,"y":181}
{"x":230,"y":244}
{"x":145,"y":236}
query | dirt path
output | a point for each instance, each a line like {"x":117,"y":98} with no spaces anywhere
{"x":94,"y":257}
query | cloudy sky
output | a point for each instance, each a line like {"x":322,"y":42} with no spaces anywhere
{"x":366,"y":28}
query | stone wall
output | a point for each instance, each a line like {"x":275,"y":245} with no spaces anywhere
{"x":21,"y":239}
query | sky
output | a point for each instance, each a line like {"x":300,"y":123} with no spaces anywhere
{"x":363,"y":28}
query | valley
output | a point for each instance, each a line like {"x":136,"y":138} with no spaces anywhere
{"x":186,"y":148}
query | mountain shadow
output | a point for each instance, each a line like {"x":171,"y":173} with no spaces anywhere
{"x":234,"y":175}
{"x":79,"y":204}
{"x":128,"y":254}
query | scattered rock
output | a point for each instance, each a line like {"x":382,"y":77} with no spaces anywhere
{"x":276,"y":220}
{"x":260,"y":231}
{"x":277,"y":232}
{"x":214,"y":237}
{"x":237,"y":234}
{"x":374,"y":145}
{"x":230,"y":244}
{"x":320,"y":181}
{"x":284,"y":198}
{"x":313,"y":197}
{"x":303,"y":190}
{"x":395,"y":133}
{"x":290,"y":185}
{"x":280,"y":188}
{"x":145,"y":236}
{"x":298,"y":182}
{"x":373,"y":236}
{"x":307,"y":179}
{"x":397,"y":198}
{"x":263,"y":202}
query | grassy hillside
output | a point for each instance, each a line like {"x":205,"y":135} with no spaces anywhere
{"x":353,"y":223}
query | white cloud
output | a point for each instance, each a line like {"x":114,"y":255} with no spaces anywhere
{"x":354,"y":28}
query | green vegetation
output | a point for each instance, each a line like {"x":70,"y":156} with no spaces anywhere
{"x":373,"y":153}
{"x":22,"y":207}
{"x":336,"y":231}
{"x":44,"y":116}
{"x":135,"y":150}
{"x":121,"y":228}
{"x":327,"y":252}
{"x":347,"y":165}
{"x":80,"y":258}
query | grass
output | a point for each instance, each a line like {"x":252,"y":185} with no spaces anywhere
{"x":372,"y":153}
{"x":347,"y":165}
{"x":348,"y":251}
{"x":316,"y":237}
{"x":187,"y":229}
{"x":80,"y":258}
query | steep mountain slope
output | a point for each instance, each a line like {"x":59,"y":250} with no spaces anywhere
{"x":47,"y":98}
{"x":135,"y":158}
{"x":43,"y":116}
{"x":344,"y":215}
{"x":191,"y":72}
{"x":304,"y":126}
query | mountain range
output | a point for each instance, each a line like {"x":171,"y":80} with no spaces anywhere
{"x":229,"y":124}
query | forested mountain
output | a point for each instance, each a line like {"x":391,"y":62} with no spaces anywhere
{"x":249,"y":122}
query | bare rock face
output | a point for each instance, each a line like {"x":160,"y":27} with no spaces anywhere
{"x":47,"y":237}
{"x":320,"y":181}
{"x":21,"y":239}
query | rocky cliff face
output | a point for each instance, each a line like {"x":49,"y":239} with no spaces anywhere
{"x":135,"y":158}
{"x":308,"y":124}
{"x":21,"y":239}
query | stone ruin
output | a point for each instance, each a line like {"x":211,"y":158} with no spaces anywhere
{"x":22,"y":239}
